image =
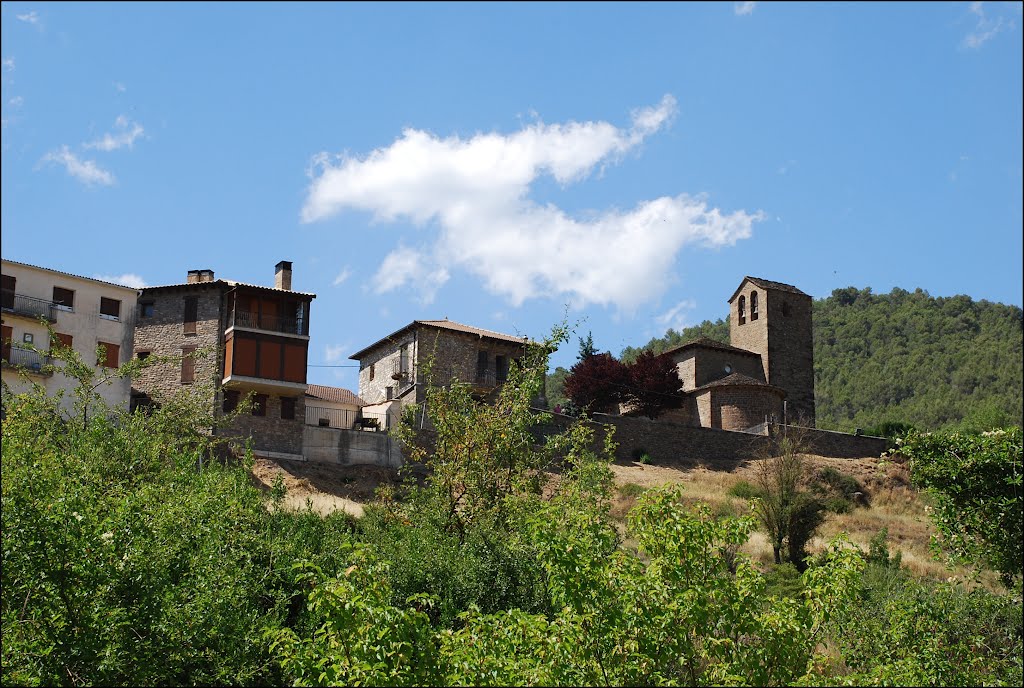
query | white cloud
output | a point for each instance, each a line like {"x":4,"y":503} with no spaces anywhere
{"x":476,"y":192}
{"x":985,"y":28}
{"x":128,"y":279}
{"x":8,"y":64}
{"x":744,"y":8}
{"x":126,"y":131}
{"x":342,"y":276}
{"x":675,"y":317}
{"x":85,"y":171}
{"x":30,"y":17}
{"x":404,"y":266}
{"x":334,"y":353}
{"x":119,"y":87}
{"x":16,"y":101}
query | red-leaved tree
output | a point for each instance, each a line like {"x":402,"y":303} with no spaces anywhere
{"x":597,"y":383}
{"x":653,"y":384}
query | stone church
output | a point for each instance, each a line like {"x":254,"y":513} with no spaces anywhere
{"x":766,"y":374}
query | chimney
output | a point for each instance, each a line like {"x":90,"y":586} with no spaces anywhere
{"x":196,"y":276}
{"x":193,"y":276}
{"x":283,"y":275}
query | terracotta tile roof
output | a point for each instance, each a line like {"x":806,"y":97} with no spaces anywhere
{"x":337,"y":394}
{"x":443,"y":325}
{"x":738,"y":380}
{"x":766,"y":284}
{"x":224,"y":283}
{"x":707,"y":343}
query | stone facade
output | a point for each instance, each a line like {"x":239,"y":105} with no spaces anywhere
{"x":698,"y":363}
{"x":782,"y":334}
{"x":161,"y":332}
{"x":447,"y":350}
{"x":739,"y":407}
{"x":199,"y":316}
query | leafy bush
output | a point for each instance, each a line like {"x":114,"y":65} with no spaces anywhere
{"x":743,"y":489}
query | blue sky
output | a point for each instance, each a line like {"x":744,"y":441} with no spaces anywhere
{"x":500,"y":164}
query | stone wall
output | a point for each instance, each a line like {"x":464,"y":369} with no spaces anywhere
{"x":699,"y":365}
{"x":162,"y":334}
{"x":270,"y":432}
{"x":741,"y":407}
{"x":350,"y":447}
{"x":667,"y":442}
{"x":383,"y":361}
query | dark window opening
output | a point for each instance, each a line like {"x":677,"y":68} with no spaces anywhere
{"x":288,"y":408}
{"x":142,"y":355}
{"x":501,"y":368}
{"x":9,"y":282}
{"x":259,"y":405}
{"x":389,"y":392}
{"x":371,"y":371}
{"x":146,"y":309}
{"x":324,"y":423}
{"x":230,"y":400}
{"x":191,"y":314}
{"x":743,"y":309}
{"x":786,"y":310}
{"x":481,"y":363}
{"x":753,"y":305}
{"x":188,"y":365}
{"x":64,"y":298}
{"x":110,"y":309}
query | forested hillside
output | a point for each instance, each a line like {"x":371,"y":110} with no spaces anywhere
{"x":904,"y":357}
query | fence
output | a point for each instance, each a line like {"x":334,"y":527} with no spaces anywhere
{"x":345,"y":419}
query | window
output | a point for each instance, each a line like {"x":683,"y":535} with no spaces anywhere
{"x":259,"y":405}
{"x":64,"y":298}
{"x":389,"y":393}
{"x":61,"y":340}
{"x":481,"y":363}
{"x":403,"y":359}
{"x":230,"y":400}
{"x":743,"y":309}
{"x":288,"y":408}
{"x":190,"y":315}
{"x":7,"y":333}
{"x":111,"y":356}
{"x":110,"y":309}
{"x":786,"y":310}
{"x":28,"y":338}
{"x":188,"y":365}
{"x":753,"y":306}
{"x":371,"y":371}
{"x":501,"y":368}
{"x":142,"y":355}
{"x":146,"y":309}
{"x":8,"y":291}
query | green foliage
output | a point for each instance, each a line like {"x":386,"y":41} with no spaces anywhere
{"x":717,"y":330}
{"x":743,"y":489}
{"x":131,"y":558}
{"x":975,"y":481}
{"x":587,"y":347}
{"x":879,"y":554}
{"x":907,"y":632}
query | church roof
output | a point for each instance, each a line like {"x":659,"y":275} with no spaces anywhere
{"x":707,"y":343}
{"x":767,"y":284}
{"x":739,"y":380}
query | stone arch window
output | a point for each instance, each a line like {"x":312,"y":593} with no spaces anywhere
{"x":743,"y":309}
{"x":753,"y":305}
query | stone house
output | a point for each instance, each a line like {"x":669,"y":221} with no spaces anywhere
{"x":393,"y":370}
{"x":765,"y":374}
{"x":241,"y":338}
{"x":84,"y":313}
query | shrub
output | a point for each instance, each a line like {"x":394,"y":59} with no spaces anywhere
{"x":743,"y":489}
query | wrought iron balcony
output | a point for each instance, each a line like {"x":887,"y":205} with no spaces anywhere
{"x":270,"y":323}
{"x":26,"y":359}
{"x":27,"y":306}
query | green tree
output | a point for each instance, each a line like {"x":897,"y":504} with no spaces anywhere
{"x":975,"y":481}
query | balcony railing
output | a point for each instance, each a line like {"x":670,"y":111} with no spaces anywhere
{"x":344,"y":419}
{"x":271,"y":323}
{"x":28,"y":306}
{"x":31,"y":361}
